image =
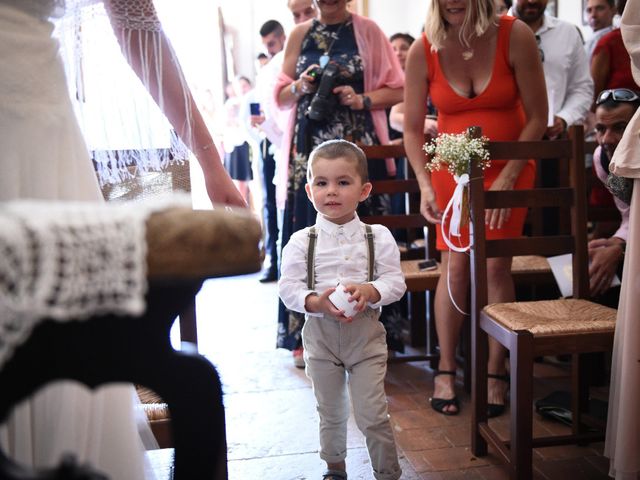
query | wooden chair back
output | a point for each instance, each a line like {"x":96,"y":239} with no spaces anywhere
{"x":537,"y":328}
{"x":570,"y":198}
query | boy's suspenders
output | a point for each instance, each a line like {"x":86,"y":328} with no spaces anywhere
{"x":313,"y":236}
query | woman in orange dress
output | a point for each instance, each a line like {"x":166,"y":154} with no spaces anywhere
{"x":480,"y":70}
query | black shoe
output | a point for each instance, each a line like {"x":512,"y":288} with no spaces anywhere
{"x":439,"y":404}
{"x":269,"y":275}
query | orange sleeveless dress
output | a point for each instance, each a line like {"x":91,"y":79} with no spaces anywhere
{"x":498,"y":110}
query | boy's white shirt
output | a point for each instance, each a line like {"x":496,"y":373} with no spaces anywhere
{"x":340,"y":257}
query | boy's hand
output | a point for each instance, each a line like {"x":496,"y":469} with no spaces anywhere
{"x":363,"y":294}
{"x":321,"y":304}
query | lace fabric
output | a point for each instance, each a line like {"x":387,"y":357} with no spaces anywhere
{"x":125,"y":128}
{"x":69,"y":262}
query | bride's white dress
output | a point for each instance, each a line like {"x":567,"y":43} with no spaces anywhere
{"x":43,"y":155}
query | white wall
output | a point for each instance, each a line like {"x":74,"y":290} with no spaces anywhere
{"x":394,"y":16}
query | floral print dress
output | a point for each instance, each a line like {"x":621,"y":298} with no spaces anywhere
{"x":341,"y":122}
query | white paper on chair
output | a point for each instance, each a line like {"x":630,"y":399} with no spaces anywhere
{"x":562,"y":268}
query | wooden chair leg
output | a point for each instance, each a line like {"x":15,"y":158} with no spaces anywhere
{"x":188,"y":324}
{"x":465,"y":342}
{"x":479,"y":355}
{"x":432,"y":336}
{"x":521,"y":444}
{"x":417,"y":327}
{"x":580,"y":364}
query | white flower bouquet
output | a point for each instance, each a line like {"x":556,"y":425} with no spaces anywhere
{"x":457,"y":151}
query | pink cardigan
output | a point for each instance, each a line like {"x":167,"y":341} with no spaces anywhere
{"x":381,"y":69}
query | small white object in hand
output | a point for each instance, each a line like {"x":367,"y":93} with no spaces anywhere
{"x":340,"y":299}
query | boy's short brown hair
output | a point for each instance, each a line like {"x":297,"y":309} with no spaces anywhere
{"x":332,"y":149}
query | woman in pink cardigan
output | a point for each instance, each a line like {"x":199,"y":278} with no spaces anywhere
{"x":339,"y":74}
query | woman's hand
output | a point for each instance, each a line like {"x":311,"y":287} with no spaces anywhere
{"x":496,"y":218}
{"x":431,"y":127}
{"x":428,"y":206}
{"x":348,"y":97}
{"x":308,"y":83}
{"x":221,"y":189}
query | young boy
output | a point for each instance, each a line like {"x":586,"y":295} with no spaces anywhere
{"x":344,"y":351}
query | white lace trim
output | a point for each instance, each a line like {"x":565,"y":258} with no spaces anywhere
{"x":122,"y":124}
{"x":70,"y":261}
{"x":134,"y":15}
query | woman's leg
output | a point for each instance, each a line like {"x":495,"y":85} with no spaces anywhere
{"x":455,"y":267}
{"x":500,"y":289}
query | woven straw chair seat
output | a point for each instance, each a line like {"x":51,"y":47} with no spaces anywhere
{"x":153,"y":406}
{"x":554,"y":317}
{"x":411,"y":271}
{"x":530,"y":264}
{"x":521,"y":265}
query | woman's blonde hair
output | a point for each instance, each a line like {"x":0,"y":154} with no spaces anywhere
{"x":479,"y":16}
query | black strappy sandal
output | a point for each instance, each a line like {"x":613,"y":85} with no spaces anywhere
{"x":439,"y":404}
{"x":334,"y":475}
{"x":496,"y":409}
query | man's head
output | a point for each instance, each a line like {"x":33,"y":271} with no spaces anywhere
{"x":273,"y":36}
{"x":600,"y":13}
{"x":337,"y":180}
{"x":262,"y":59}
{"x":530,"y":11}
{"x":302,"y":10}
{"x":614,"y":109}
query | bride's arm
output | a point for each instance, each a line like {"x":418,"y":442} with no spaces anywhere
{"x":148,"y":51}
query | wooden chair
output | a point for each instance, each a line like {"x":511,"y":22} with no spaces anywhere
{"x":172,"y":178}
{"x":531,"y":329}
{"x":421,"y":284}
{"x":183,"y":248}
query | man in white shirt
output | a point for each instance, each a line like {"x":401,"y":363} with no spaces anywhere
{"x":566,"y":68}
{"x":273,"y":38}
{"x":600,"y":14}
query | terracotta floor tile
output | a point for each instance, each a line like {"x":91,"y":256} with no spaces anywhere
{"x":573,"y":468}
{"x":418,"y":439}
{"x":454,"y":458}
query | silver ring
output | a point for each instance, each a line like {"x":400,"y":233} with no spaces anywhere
{"x":349,"y":96}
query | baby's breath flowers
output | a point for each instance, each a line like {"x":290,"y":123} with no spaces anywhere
{"x":456,"y":152}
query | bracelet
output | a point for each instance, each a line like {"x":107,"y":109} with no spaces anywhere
{"x":294,"y":90}
{"x":207,"y":146}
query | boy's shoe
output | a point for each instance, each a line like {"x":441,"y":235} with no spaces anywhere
{"x":298,"y":358}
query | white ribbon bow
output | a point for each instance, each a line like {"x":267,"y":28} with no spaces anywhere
{"x":455,"y":206}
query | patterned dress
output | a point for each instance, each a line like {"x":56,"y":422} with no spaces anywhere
{"x":341,"y":122}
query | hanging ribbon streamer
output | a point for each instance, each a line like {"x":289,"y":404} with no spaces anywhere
{"x":455,"y":207}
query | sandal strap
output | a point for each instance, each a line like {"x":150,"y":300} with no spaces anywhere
{"x":504,"y":378}
{"x":334,"y":475}
{"x":444,"y":372}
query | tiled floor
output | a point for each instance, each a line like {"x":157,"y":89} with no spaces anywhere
{"x":271,"y":418}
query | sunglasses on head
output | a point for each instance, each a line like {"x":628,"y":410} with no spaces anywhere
{"x":617,"y":95}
